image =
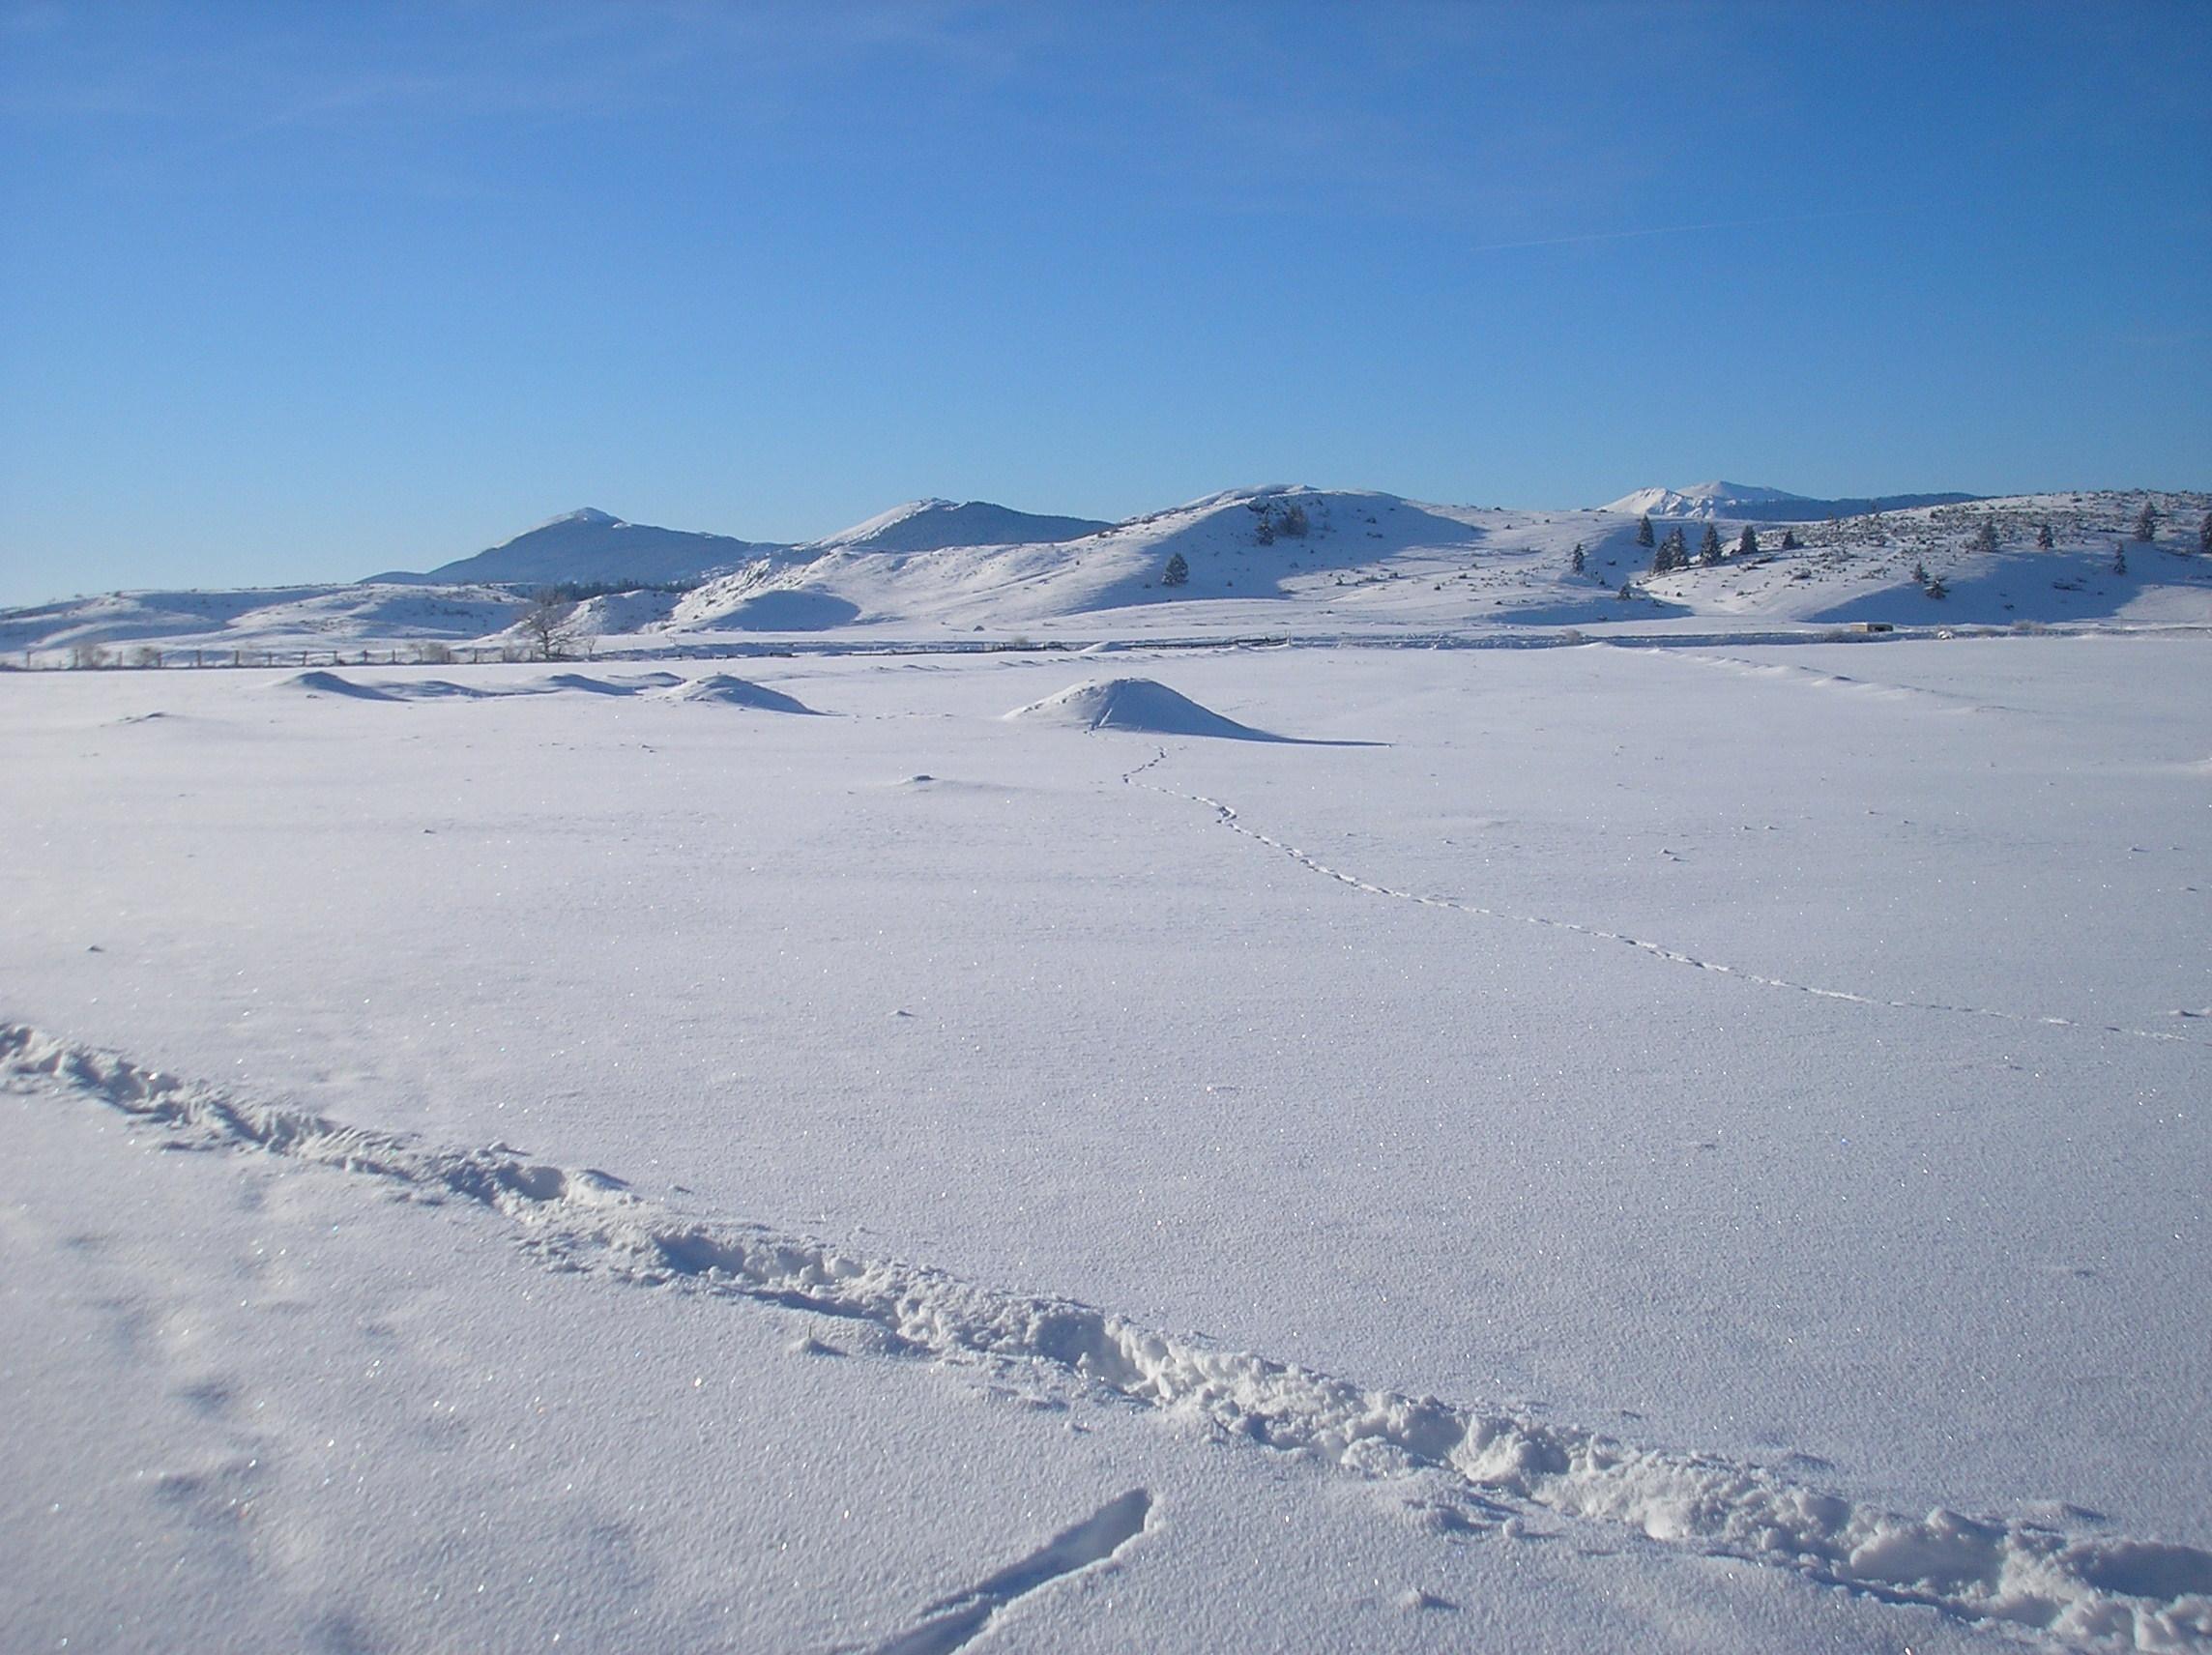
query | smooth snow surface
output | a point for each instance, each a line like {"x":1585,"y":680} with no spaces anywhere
{"x":1693,"y":1148}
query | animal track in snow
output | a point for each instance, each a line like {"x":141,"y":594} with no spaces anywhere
{"x":2037,"y":1574}
{"x":1812,"y":678}
{"x":1226,"y":816}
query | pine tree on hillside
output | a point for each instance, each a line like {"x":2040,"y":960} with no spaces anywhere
{"x":1643,"y":534}
{"x":1176,"y":572}
{"x":2042,"y":538}
{"x":1937,"y":588}
{"x":1710,"y":548}
{"x":1790,"y":540}
{"x":2205,"y":534}
{"x":1294,"y":521}
{"x":2119,"y":558}
{"x":2146,"y":523}
{"x":1986,"y":537}
{"x":1576,"y":561}
{"x":1747,"y":544}
{"x":1919,"y":574}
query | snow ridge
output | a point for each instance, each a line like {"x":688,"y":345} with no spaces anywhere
{"x":2111,"y":1589}
{"x":1226,"y":816}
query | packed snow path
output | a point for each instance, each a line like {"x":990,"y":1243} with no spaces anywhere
{"x":2105,"y":1588}
{"x":1226,"y":816}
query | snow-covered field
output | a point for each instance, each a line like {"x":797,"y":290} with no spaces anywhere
{"x":1589,"y":1148}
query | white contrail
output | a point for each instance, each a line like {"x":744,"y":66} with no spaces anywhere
{"x":1676,"y":230}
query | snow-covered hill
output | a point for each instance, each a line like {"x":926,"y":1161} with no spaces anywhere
{"x":588,"y":545}
{"x":1277,"y":558}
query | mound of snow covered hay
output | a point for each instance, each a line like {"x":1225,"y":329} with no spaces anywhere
{"x":1141,"y":705}
{"x":728,"y":691}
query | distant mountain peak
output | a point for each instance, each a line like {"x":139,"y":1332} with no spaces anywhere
{"x":933,"y":524}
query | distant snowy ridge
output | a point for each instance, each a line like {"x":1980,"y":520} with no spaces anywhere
{"x":2103,"y":1589}
{"x":588,"y":545}
{"x":932,"y":525}
{"x":1749,"y":503}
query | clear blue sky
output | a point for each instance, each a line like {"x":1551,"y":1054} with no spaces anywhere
{"x":295,"y":292}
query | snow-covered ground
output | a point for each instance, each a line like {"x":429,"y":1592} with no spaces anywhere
{"x":1309,"y":1148}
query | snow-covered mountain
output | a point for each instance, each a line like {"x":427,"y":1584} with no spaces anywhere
{"x":1747,"y":503}
{"x":588,"y":545}
{"x":1700,"y":499}
{"x":931,"y":525}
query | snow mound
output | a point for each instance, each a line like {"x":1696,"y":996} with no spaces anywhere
{"x":1137,"y":704}
{"x":320,"y":682}
{"x":728,"y":691}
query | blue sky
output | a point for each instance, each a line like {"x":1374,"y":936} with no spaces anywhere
{"x":302,"y":292}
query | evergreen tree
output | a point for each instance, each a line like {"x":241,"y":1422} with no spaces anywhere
{"x":2146,"y":523}
{"x":1986,"y":537}
{"x":1710,"y":548}
{"x":1643,"y":535}
{"x":1747,"y":544}
{"x":1790,"y":540}
{"x":2119,"y":558}
{"x":2042,"y":538}
{"x":1626,"y":592}
{"x":1294,"y":521}
{"x":2205,"y":534}
{"x":1919,"y":574}
{"x":1176,"y":572}
{"x":1937,"y":588}
{"x":1576,"y":561}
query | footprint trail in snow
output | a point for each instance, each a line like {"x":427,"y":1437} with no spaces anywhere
{"x":2107,"y":1588}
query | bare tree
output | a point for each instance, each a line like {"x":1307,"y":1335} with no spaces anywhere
{"x":84,"y":655}
{"x":548,"y":627}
